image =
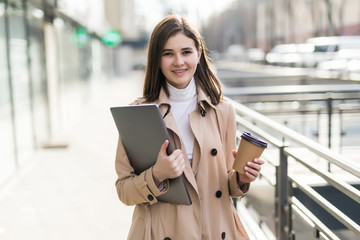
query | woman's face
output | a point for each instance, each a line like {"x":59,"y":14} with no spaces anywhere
{"x":179,"y":60}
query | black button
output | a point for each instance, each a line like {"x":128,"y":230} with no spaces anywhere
{"x":223,"y":235}
{"x":218,"y":194}
{"x":150,"y":197}
{"x":167,"y":238}
{"x":213,"y":152}
{"x":203,"y":113}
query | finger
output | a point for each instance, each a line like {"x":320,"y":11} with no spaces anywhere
{"x":251,"y":171}
{"x":259,"y":161}
{"x":180,"y":162}
{"x":177,"y":159}
{"x":164,"y":147}
{"x":234,"y":153}
{"x":180,"y":158}
{"x":177,"y":170}
{"x":250,"y":176}
{"x":175,"y":155}
{"x":254,"y":166}
{"x":180,"y":169}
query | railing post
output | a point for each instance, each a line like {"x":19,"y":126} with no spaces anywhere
{"x":291,"y":233}
{"x":329,"y":103}
{"x":282,"y":198}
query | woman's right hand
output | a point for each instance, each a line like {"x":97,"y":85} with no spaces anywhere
{"x":166,"y":166}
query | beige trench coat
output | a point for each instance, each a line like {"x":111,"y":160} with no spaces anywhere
{"x":210,"y":180}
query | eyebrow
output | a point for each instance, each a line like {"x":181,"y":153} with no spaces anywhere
{"x":185,"y":48}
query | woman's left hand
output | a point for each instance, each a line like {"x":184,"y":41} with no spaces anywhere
{"x":252,"y":170}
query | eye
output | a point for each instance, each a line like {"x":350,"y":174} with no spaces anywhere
{"x":187,"y":52}
{"x":167,"y":54}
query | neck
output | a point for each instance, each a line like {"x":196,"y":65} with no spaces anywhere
{"x":176,"y":94}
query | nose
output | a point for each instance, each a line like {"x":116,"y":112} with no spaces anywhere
{"x":178,"y":61}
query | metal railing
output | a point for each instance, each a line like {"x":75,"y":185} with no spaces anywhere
{"x":286,"y":204}
{"x":330,"y":97}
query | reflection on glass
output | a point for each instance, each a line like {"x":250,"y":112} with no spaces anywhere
{"x":20,"y":82}
{"x":38,"y":78}
{"x":7,"y":159}
{"x":72,"y":89}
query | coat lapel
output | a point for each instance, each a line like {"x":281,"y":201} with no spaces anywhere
{"x":199,"y":125}
{"x":170,"y":123}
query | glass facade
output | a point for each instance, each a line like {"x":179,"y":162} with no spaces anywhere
{"x":25,"y":110}
{"x":39,"y":103}
{"x":75,"y":69}
{"x":7,"y":149}
{"x":20,"y":81}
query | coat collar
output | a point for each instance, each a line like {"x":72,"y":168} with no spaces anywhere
{"x":202,"y":100}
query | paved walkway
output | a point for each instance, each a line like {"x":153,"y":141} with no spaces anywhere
{"x":70,"y":193}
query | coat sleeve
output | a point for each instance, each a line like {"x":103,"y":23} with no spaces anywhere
{"x":230,"y":145}
{"x":131,"y":188}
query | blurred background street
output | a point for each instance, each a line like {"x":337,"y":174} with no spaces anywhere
{"x":63,"y":63}
{"x":69,"y":192}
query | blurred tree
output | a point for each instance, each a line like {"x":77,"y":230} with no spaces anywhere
{"x":266,"y":23}
{"x":331,"y":27}
{"x":341,"y":16}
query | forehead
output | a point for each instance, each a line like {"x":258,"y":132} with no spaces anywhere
{"x":179,"y":41}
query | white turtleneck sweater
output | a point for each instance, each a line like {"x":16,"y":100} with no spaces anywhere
{"x":183,"y":102}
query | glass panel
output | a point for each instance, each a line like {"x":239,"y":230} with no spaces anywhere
{"x":97,"y":61}
{"x":96,"y":58}
{"x":38,"y":78}
{"x":20,"y":81}
{"x":71,"y":87}
{"x":7,"y":159}
{"x":68,"y":53}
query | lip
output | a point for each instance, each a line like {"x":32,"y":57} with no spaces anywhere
{"x":179,"y":71}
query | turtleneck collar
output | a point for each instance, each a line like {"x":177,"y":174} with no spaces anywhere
{"x":180,"y":95}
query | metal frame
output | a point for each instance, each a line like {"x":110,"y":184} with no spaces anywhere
{"x":285,"y":202}
{"x":11,"y":91}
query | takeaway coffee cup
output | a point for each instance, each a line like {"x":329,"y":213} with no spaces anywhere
{"x":250,"y":147}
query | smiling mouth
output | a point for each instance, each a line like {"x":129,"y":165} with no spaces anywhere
{"x":179,"y":71}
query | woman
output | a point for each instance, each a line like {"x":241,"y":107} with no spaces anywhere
{"x":202,"y":129}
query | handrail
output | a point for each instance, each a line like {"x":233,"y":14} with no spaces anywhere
{"x":318,"y":224}
{"x":293,"y":89}
{"x":251,"y":120}
{"x":341,"y":217}
{"x":289,"y":134}
{"x":349,"y":190}
{"x":265,"y":135}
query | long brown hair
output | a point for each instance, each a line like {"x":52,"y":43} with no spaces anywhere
{"x":155,"y":79}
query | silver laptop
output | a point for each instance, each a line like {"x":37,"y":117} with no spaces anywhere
{"x":143,"y":131}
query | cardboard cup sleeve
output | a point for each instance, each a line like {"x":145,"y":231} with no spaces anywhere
{"x":250,"y":147}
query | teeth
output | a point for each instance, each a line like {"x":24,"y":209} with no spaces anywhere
{"x":179,"y":71}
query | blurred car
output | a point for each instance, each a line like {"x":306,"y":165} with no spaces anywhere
{"x":354,"y":65}
{"x":335,"y":47}
{"x":345,"y":50}
{"x":235,"y":51}
{"x":349,"y":49}
{"x":255,"y":55}
{"x":338,"y":65}
{"x":339,"y":68}
{"x":294,"y":55}
{"x":280,"y":54}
